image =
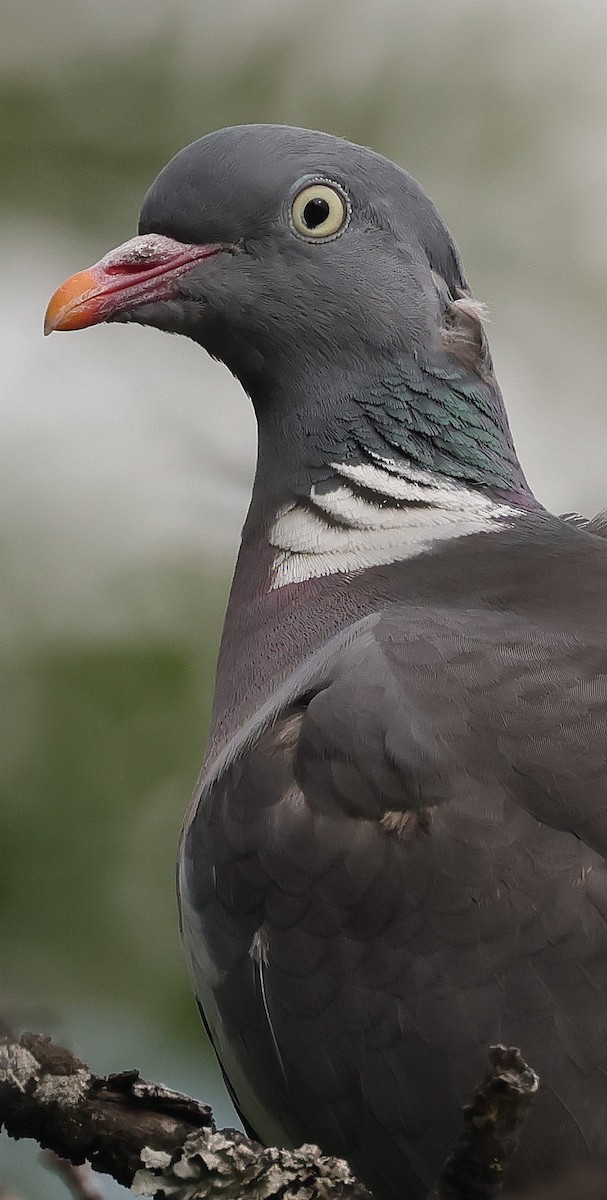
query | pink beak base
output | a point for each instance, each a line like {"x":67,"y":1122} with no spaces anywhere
{"x":138,"y":272}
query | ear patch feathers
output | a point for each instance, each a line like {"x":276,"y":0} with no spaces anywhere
{"x":463,"y":333}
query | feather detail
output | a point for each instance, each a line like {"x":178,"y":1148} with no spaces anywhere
{"x":378,"y":516}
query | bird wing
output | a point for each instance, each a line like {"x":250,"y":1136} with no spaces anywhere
{"x":596,"y":525}
{"x":441,"y":703}
{"x":402,"y":863}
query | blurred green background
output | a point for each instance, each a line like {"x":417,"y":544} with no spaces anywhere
{"x":125,"y":456}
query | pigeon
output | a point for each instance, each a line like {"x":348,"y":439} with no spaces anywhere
{"x":395,"y":853}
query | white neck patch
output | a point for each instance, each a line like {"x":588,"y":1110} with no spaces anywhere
{"x":374,"y":516}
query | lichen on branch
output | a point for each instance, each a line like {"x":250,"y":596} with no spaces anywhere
{"x":149,"y":1137}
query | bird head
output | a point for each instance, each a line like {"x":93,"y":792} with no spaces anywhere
{"x":261,"y":242}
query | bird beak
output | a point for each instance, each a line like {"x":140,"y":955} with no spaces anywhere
{"x":139,"y":272}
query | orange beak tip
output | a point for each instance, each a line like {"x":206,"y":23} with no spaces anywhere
{"x":140,"y":270}
{"x":72,"y":306}
{"x":49,"y":324}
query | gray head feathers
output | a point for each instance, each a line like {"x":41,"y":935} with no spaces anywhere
{"x":383,"y":284}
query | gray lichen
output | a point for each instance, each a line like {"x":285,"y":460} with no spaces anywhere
{"x":17,"y":1065}
{"x":211,"y":1166}
{"x":66,"y":1090}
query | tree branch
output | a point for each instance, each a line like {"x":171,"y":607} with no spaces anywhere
{"x":492,"y":1126}
{"x":48,"y":1094}
{"x":79,"y":1180}
{"x":162,"y":1143}
{"x":149,"y":1137}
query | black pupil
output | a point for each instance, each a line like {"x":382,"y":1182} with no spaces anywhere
{"x":316,"y":212}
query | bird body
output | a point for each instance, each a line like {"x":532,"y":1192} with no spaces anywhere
{"x":397,"y":861}
{"x":395,"y":853}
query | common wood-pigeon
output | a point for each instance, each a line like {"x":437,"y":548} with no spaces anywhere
{"x":395,"y":853}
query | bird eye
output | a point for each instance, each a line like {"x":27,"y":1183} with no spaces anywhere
{"x":319,"y":212}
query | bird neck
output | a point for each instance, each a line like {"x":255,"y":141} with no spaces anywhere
{"x":435,"y":416}
{"x":350,"y":478}
{"x":353,"y":476}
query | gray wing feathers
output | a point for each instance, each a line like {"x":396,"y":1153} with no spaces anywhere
{"x":403,"y":867}
{"x":443,"y":704}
